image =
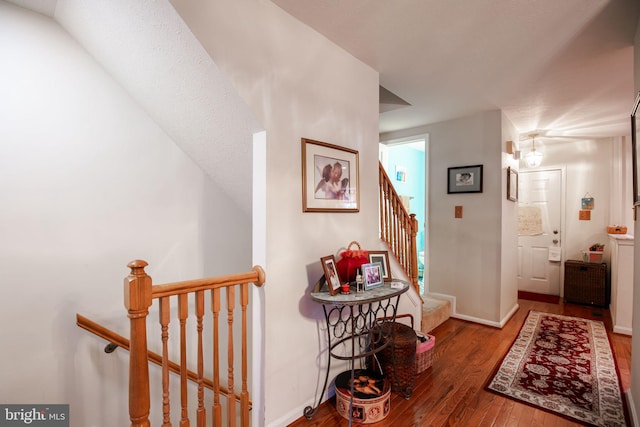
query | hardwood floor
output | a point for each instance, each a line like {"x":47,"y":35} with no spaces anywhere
{"x":451,"y":392}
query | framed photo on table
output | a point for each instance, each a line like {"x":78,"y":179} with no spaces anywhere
{"x":372,"y":275}
{"x":464,"y":179}
{"x":329,"y":178}
{"x":383,"y":258}
{"x":331,"y":274}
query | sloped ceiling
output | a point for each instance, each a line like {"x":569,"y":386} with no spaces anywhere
{"x":564,"y":66}
{"x":45,"y":7}
{"x":151,"y":52}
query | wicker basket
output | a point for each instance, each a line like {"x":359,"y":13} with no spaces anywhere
{"x":616,"y":229}
{"x":586,"y":283}
{"x":424,"y":352}
{"x":398,"y":359}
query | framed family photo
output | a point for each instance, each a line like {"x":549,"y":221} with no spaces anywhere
{"x":464,"y":179}
{"x":383,"y":258}
{"x":331,"y":274}
{"x":372,"y":275}
{"x":329,"y":178}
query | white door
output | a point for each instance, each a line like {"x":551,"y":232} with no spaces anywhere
{"x":539,"y":221}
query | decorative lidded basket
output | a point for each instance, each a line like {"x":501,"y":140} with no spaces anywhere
{"x":371,"y":397}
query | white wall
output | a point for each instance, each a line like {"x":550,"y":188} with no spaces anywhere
{"x":147,"y":48}
{"x":466,"y":256}
{"x":509,"y":233}
{"x":88,"y":182}
{"x":298,"y":84}
{"x":588,"y":165}
{"x":635,"y":344}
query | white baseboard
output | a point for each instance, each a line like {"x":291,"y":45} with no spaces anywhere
{"x":297,"y":413}
{"x":510,"y":314}
{"x":622,"y":330}
{"x":456,"y":315}
{"x":632,"y":409}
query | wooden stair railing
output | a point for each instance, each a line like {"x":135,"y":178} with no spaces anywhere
{"x":398,"y":228}
{"x":139,"y":296}
{"x":116,"y":340}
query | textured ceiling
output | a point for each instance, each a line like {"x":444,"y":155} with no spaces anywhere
{"x":561,"y":66}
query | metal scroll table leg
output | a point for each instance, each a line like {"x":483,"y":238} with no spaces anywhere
{"x":309,"y":411}
{"x":353,"y":365}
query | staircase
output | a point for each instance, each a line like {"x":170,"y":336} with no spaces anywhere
{"x":398,"y":230}
{"x":434,"y":313}
{"x":202,"y":302}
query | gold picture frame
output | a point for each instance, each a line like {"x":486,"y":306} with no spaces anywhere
{"x":329,"y":178}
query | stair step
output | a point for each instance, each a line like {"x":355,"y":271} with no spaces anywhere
{"x":434,"y":313}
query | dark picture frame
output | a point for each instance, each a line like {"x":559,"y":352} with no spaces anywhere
{"x":331,"y":274}
{"x":464,"y":179}
{"x":372,"y":275}
{"x":512,"y":184}
{"x":635,"y":128}
{"x":383,"y":258}
{"x":330,"y":178}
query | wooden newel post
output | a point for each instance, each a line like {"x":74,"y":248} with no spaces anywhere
{"x":137,"y":300}
{"x":414,"y":252}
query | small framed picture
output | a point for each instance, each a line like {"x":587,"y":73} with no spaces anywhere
{"x":588,"y":203}
{"x":383,"y":258}
{"x":331,"y":274}
{"x":512,"y":184}
{"x":372,"y":275}
{"x":464,"y":179}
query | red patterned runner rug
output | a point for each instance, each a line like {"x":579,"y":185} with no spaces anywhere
{"x":564,"y":365}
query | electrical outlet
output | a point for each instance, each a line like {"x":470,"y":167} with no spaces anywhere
{"x":458,"y":212}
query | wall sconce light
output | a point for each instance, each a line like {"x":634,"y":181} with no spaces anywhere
{"x":533,"y":158}
{"x":512,"y":149}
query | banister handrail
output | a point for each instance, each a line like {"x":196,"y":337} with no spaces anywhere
{"x":391,"y":189}
{"x":398,"y":228}
{"x":255,"y":276}
{"x":139,"y":295}
{"x":122,"y":342}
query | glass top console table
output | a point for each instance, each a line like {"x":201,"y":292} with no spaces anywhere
{"x":358,"y":324}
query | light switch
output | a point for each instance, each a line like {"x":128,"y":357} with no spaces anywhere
{"x":458,"y":211}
